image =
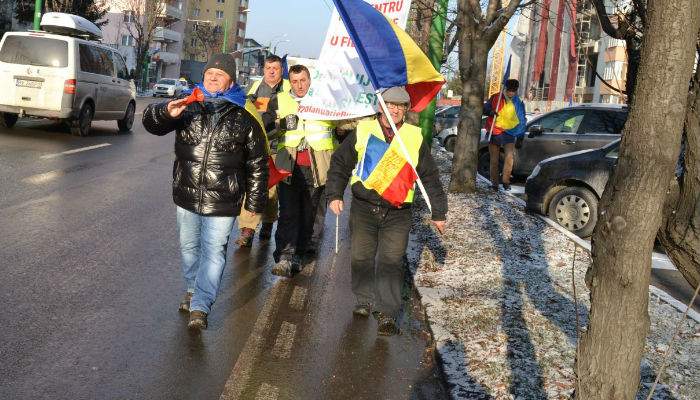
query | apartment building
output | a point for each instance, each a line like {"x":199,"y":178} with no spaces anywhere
{"x":165,"y":48}
{"x":560,"y":53}
{"x":209,"y":25}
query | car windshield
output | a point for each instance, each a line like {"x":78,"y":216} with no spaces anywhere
{"x":37,"y":51}
{"x":167,"y":81}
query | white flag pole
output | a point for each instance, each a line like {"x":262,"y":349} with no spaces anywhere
{"x":404,"y":149}
{"x":495,"y":115}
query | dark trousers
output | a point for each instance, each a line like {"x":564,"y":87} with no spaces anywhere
{"x":378,"y":246}
{"x":299,"y":202}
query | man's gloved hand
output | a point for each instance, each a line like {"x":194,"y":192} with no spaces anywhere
{"x":289,"y":123}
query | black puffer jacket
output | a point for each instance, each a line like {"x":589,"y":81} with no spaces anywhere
{"x":220,"y":155}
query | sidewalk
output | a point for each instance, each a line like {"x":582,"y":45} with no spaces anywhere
{"x":498,"y":295}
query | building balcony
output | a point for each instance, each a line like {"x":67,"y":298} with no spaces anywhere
{"x":161,"y":34}
{"x":171,"y":12}
{"x":166,"y":57}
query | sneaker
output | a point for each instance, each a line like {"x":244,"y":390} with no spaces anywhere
{"x":361,"y":310}
{"x":185,"y":302}
{"x":198,"y":320}
{"x":386,"y":326}
{"x":506,"y":187}
{"x":265,"y":231}
{"x":245,"y":238}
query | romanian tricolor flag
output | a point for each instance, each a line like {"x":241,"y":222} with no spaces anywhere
{"x":385,"y":170}
{"x":390,"y":57}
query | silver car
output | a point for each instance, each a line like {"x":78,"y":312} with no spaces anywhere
{"x":168,"y":88}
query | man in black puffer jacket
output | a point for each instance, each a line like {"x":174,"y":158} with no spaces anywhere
{"x":220,"y":155}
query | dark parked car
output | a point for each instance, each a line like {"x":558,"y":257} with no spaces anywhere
{"x":567,"y":188}
{"x":583,"y":127}
{"x":446,"y":118}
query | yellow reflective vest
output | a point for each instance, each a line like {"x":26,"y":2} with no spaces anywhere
{"x":410,"y":134}
{"x":318,"y":134}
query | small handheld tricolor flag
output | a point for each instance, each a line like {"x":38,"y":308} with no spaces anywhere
{"x":390,"y":57}
{"x":386,"y":171}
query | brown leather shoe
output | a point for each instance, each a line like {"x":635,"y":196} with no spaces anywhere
{"x":245,"y":238}
{"x":185,"y":302}
{"x":198,"y":320}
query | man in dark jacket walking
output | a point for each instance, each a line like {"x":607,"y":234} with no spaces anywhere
{"x":382,"y":183}
{"x":220,"y":156}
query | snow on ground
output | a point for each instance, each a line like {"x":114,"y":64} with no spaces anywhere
{"x":498,"y":293}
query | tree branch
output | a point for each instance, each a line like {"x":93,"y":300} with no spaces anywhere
{"x":604,"y":19}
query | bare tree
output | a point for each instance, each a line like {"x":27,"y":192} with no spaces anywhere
{"x":145,"y":16}
{"x":92,"y":10}
{"x":208,"y":39}
{"x":611,"y":349}
{"x":477,"y":30}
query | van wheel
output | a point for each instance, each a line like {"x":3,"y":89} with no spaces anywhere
{"x":8,"y":120}
{"x":576,"y":209}
{"x":450,"y":143}
{"x":81,"y":126}
{"x":128,"y":121}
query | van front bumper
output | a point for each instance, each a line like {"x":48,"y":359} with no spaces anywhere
{"x":36,"y":112}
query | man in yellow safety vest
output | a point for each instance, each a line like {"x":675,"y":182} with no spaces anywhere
{"x":264,"y":94}
{"x":305,"y":148}
{"x":382,"y":182}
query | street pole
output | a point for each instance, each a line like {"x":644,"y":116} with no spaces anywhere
{"x":436,"y":49}
{"x":223,"y":47}
{"x":37,"y":14}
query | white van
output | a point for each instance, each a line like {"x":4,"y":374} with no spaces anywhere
{"x":63,"y":73}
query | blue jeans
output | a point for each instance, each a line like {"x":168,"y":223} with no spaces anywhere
{"x":203,"y":242}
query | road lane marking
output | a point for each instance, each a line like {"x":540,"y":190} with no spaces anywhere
{"x":285,"y":340}
{"x":267,"y":392}
{"x":296,"y":302}
{"x":240,"y":375}
{"x":42,"y":178}
{"x":63,"y":153}
{"x":308,"y":269}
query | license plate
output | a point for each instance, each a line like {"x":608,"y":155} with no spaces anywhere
{"x":27,"y":83}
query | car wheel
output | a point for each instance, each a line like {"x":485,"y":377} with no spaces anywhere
{"x":128,"y":121}
{"x":483,"y":166}
{"x":8,"y":120}
{"x":576,"y":209}
{"x":450,"y":143}
{"x":81,"y":126}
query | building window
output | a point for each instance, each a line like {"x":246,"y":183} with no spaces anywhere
{"x":219,"y":14}
{"x":128,"y":16}
{"x":242,"y":17}
{"x":127,"y":40}
{"x":220,"y":1}
{"x":244,"y":3}
{"x":195,"y":12}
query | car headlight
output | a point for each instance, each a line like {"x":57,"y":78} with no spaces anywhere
{"x":535,"y":171}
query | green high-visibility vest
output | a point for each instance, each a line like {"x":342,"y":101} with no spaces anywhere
{"x":412,"y":138}
{"x":318,"y":134}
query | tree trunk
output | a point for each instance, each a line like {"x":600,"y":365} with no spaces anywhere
{"x":612,"y":347}
{"x":473,"y":55}
{"x":680,"y":232}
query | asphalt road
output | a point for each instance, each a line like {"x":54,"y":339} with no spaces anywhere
{"x":90,"y":283}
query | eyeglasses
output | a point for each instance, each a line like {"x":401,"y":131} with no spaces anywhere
{"x":394,"y":106}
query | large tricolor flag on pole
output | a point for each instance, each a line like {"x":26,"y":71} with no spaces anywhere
{"x":390,"y":57}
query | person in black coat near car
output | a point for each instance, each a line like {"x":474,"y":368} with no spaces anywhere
{"x":220,"y":155}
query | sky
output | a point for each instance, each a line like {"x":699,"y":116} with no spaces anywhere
{"x":304,"y":22}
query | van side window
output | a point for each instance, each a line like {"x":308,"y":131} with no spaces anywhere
{"x":122,"y":72}
{"x":106,"y":63}
{"x":89,"y":61}
{"x":95,"y":60}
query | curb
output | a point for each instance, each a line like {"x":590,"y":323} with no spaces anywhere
{"x":667,"y":298}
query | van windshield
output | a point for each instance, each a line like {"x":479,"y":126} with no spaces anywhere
{"x":167,"y":81}
{"x":37,"y":51}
